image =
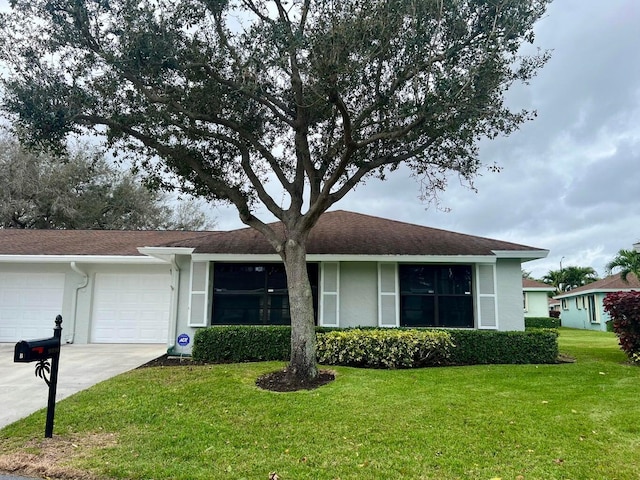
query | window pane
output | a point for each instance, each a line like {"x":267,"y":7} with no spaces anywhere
{"x":417,"y":279}
{"x":254,"y":294}
{"x":279,"y":310}
{"x":276,"y":278}
{"x":454,"y":280}
{"x":239,"y":277}
{"x":238,"y":310}
{"x":436,"y":296}
{"x":455,"y":311}
{"x":418,"y":311}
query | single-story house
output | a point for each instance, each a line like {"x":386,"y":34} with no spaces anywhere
{"x":582,"y":307}
{"x":151,"y":287}
{"x":535,"y":297}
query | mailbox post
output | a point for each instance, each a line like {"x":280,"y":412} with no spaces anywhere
{"x":41,"y":350}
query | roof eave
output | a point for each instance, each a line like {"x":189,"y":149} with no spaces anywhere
{"x":165,"y":254}
{"x":316,"y":257}
{"x":112,"y":259}
{"x":574,"y":293}
{"x":523,"y":255}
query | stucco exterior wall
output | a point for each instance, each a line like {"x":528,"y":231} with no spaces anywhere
{"x":577,"y":316}
{"x":358,"y":297}
{"x":180,"y":323}
{"x":509,"y":291}
{"x":537,"y":304}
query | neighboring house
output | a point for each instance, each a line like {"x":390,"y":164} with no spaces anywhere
{"x":364,"y":271}
{"x":582,"y":306}
{"x":535,"y":297}
{"x":554,"y":304}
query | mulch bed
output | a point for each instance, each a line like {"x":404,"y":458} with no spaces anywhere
{"x":279,"y":381}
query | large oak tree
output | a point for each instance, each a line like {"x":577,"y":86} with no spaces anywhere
{"x":313,"y":95}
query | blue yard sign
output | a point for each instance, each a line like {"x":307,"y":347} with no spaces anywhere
{"x":183,"y":339}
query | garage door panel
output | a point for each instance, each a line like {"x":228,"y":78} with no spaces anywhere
{"x":29,"y":304}
{"x":131,"y":308}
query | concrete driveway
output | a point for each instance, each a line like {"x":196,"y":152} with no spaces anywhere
{"x":81,"y":366}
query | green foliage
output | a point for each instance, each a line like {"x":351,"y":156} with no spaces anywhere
{"x":321,"y":94}
{"x":570,"y":276}
{"x":81,"y":191}
{"x":624,"y":310}
{"x":541,"y":322}
{"x":378,"y":348}
{"x":216,"y":97}
{"x":490,"y":347}
{"x":627,"y":261}
{"x":242,"y":344}
{"x":383,"y":348}
{"x":540,"y":422}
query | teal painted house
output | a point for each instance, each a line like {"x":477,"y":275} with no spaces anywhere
{"x":582,"y":306}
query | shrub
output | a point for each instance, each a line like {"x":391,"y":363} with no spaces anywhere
{"x":491,"y":347}
{"x":624,"y":310}
{"x":384,"y":348}
{"x":541,"y":322}
{"x":242,"y":344}
{"x":380,"y":348}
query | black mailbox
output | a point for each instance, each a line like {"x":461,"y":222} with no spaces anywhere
{"x":34,"y":350}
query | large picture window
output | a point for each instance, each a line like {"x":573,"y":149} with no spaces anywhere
{"x":254,"y":294}
{"x":436,"y":296}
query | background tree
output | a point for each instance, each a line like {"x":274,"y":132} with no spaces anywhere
{"x":314,"y":95}
{"x":570,"y":277}
{"x":627,"y":261}
{"x":82,"y":192}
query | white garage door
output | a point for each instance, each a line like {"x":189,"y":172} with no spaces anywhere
{"x":131,"y":308}
{"x":29,"y":303}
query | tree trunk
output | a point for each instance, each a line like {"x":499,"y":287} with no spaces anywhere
{"x":302,"y":365}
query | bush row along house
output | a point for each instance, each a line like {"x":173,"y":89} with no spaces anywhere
{"x":151,"y":286}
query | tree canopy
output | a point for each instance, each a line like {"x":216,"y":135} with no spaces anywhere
{"x":314,"y":96}
{"x":626,"y":261}
{"x":82,"y":192}
{"x":570,"y":277}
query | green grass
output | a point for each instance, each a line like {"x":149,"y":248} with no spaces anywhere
{"x":566,"y":421}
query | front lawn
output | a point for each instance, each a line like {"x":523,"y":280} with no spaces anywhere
{"x":566,"y":421}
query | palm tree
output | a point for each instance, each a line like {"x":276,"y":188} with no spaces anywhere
{"x":628,"y":261}
{"x":570,"y":277}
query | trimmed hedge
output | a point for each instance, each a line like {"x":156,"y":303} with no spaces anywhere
{"x":541,"y":322}
{"x":257,"y":343}
{"x":475,"y":347}
{"x":242,"y":344}
{"x":384,"y":348}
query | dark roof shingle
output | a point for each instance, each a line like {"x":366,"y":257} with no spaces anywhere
{"x":336,"y":233}
{"x":347,"y":233}
{"x":612,"y":282}
{"x":85,"y":242}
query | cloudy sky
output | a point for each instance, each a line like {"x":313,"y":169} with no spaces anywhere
{"x":570,"y":180}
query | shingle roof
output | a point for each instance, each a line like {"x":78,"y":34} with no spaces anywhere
{"x":528,"y":283}
{"x":347,"y":233}
{"x":338,"y":232}
{"x":85,"y":242}
{"x":611,"y":283}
